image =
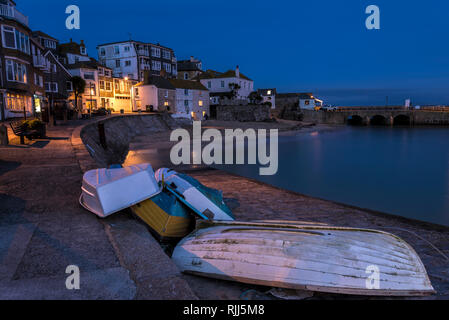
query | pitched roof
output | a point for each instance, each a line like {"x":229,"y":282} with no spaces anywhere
{"x":187,"y":84}
{"x":48,"y":52}
{"x":70,"y":47}
{"x":188,"y":65}
{"x":212,"y":74}
{"x":158,"y":81}
{"x":92,"y":64}
{"x":43,"y":35}
{"x":301,"y":95}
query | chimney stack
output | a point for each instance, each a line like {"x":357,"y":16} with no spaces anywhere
{"x":237,"y":72}
{"x":191,"y":59}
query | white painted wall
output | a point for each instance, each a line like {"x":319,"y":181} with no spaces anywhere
{"x":222,"y":85}
{"x":143,"y":96}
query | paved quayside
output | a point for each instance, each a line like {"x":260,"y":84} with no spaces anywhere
{"x":43,"y":230}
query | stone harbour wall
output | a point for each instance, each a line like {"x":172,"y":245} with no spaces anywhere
{"x":248,"y":113}
{"x":119,"y":131}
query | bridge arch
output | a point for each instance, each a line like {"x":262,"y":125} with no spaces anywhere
{"x":355,"y":120}
{"x":378,"y":120}
{"x":402,"y":120}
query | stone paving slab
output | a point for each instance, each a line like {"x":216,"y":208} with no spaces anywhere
{"x":44,"y":229}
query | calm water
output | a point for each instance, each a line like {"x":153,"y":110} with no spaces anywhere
{"x":403,"y":171}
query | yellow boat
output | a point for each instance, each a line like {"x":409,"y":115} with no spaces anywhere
{"x":166,"y":217}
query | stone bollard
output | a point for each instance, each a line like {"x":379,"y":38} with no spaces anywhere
{"x":4,"y":141}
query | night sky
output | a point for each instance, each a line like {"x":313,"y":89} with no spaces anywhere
{"x":296,"y":46}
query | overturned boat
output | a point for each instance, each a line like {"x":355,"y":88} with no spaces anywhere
{"x":107,"y":191}
{"x":206,"y":202}
{"x":305,"y":257}
{"x":166,"y":216}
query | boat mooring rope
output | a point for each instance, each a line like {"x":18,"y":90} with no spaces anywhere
{"x":419,"y":237}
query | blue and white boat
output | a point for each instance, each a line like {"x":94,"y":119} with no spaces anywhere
{"x":207,"y":203}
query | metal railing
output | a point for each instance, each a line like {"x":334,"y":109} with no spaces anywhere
{"x":12,"y":12}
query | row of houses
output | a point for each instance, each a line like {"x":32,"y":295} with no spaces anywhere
{"x":36,"y":73}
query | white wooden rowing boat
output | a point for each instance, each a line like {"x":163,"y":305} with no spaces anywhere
{"x":306,"y":257}
{"x":107,"y":191}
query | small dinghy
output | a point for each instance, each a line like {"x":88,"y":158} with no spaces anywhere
{"x":304,"y":257}
{"x":166,"y":216}
{"x":107,"y":191}
{"x":206,"y":202}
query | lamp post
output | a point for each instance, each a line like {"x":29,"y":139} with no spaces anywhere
{"x":90,"y":102}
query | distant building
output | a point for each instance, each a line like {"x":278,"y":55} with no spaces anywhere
{"x":268,"y":96}
{"x":222,"y":84}
{"x":132,"y":58}
{"x":298,"y":100}
{"x":308,"y":102}
{"x":192,"y":99}
{"x":155,"y":93}
{"x":189,"y":69}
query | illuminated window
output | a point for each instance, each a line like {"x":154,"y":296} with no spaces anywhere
{"x":200,"y":103}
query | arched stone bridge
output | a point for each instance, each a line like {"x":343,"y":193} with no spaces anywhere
{"x":386,"y":116}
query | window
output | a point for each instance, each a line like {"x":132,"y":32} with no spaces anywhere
{"x":51,"y":86}
{"x":167,"y":67}
{"x":200,"y":103}
{"x":69,"y":86}
{"x":41,"y":81}
{"x":186,"y":92}
{"x":83,"y":50}
{"x":107,"y":73}
{"x":16,"y":102}
{"x":127,"y":49}
{"x":117,"y":50}
{"x":117,"y":63}
{"x":16,"y":71}
{"x":186,"y":103}
{"x":9,"y":38}
{"x":222,"y":84}
{"x":307,"y":102}
{"x":209,"y":84}
{"x":166,"y":54}
{"x":22,"y":42}
{"x":89,"y":76}
{"x":102,"y":52}
{"x":127,"y":63}
{"x":186,"y":76}
{"x":136,"y":91}
{"x":108,"y":86}
{"x":156,"y":65}
{"x":100,"y":71}
{"x":166,"y":93}
{"x":155,"y":52}
{"x":90,"y":89}
{"x":102,"y":86}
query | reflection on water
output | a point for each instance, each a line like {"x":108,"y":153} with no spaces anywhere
{"x":401,"y":171}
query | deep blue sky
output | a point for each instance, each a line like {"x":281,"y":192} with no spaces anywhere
{"x":320,"y":46}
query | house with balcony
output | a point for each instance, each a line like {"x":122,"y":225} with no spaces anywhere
{"x":22,"y":91}
{"x":132,"y":59}
{"x":230,"y":87}
{"x":192,"y":100}
{"x":46,"y":41}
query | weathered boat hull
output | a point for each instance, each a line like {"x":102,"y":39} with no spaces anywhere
{"x":305,"y":257}
{"x":107,"y":191}
{"x":206,"y":201}
{"x":166,"y":217}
